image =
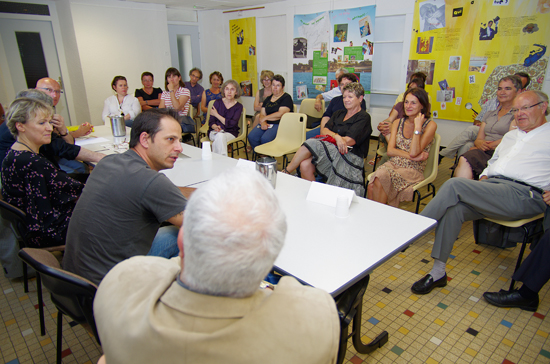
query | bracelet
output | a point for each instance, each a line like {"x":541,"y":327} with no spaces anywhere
{"x":146,"y":103}
{"x":64,"y":135}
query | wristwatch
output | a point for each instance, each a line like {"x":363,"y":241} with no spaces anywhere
{"x":417,"y":132}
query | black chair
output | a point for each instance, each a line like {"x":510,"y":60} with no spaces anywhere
{"x":70,"y":293}
{"x":532,"y":231}
{"x":350,"y":306}
{"x":16,"y":218}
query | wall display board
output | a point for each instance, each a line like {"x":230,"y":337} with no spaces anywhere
{"x":324,"y":42}
{"x":242,"y":35}
{"x":466,"y":46}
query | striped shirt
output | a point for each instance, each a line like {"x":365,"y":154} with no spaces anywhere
{"x":179,"y":93}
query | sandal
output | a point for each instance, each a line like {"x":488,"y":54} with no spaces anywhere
{"x":377,"y":158}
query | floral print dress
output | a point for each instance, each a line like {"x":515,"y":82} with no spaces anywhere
{"x":400,"y":174}
{"x":46,"y":194}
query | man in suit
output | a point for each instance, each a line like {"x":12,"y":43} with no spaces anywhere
{"x":515,"y":185}
{"x":534,"y":272}
{"x":207,"y":305}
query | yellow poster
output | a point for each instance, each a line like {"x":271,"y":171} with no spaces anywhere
{"x":465,"y":47}
{"x":242,"y":34}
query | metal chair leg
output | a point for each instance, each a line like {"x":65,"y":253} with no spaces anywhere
{"x":59,"y":335}
{"x":40,"y":304}
{"x":521,"y":252}
{"x":417,"y":201}
{"x":25,"y":278}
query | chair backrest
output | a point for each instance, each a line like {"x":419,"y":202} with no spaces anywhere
{"x":292,"y":128}
{"x":295,"y":108}
{"x":16,"y":218}
{"x":242,"y":124}
{"x":308,"y":107}
{"x":433,"y":160}
{"x":210,"y":103}
{"x":71,"y":294}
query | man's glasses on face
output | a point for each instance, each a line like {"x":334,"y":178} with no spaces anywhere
{"x":51,"y":91}
{"x":524,"y":109}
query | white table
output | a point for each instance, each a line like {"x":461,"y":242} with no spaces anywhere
{"x":332,"y":253}
{"x":101,"y":140}
{"x":316,"y":238}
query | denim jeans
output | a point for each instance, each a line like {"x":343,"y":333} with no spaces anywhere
{"x":165,"y":242}
{"x":313,"y":133}
{"x":259,"y":136}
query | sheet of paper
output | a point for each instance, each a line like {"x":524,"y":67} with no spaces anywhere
{"x":90,"y":140}
{"x":327,"y":194}
{"x":244,"y":163}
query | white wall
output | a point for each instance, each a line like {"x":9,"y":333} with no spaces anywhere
{"x":216,"y":54}
{"x":119,"y":38}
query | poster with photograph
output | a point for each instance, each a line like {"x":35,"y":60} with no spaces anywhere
{"x":332,"y":40}
{"x":493,"y":38}
{"x":242,"y":38}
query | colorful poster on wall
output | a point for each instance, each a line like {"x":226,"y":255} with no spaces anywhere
{"x":465,"y":47}
{"x":325,"y":42}
{"x":242,"y":34}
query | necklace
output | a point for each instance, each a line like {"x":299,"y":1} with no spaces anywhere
{"x":17,"y":141}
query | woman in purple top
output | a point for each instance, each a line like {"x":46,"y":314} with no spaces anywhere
{"x":31,"y":182}
{"x":224,"y":117}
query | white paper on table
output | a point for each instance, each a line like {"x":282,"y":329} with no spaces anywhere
{"x":327,"y":194}
{"x":245,"y":163}
{"x":90,"y":140}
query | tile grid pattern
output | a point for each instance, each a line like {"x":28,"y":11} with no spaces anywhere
{"x":451,"y":325}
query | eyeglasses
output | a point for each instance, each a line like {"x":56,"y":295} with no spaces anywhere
{"x":525,"y":108}
{"x":51,"y":91}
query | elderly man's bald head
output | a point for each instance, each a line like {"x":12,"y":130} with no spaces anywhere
{"x":51,"y":87}
{"x":530,"y":109}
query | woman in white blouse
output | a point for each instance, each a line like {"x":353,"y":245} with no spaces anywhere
{"x":121,"y":103}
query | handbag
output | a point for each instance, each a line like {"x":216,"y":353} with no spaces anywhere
{"x":493,"y":234}
{"x":187,"y":124}
{"x":326,"y":138}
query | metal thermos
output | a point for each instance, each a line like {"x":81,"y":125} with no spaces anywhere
{"x":118,"y":126}
{"x":268,"y":167}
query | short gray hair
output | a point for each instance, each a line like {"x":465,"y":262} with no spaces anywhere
{"x":233,"y":231}
{"x":36,"y":95}
{"x":340,"y":71}
{"x":239,"y":92}
{"x":24,"y":109}
{"x":542,"y":98}
{"x":516,"y":81}
{"x":355,"y":88}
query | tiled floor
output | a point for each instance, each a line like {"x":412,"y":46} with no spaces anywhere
{"x":450,"y":325}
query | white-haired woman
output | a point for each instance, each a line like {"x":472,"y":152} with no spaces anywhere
{"x":224,"y":117}
{"x":31,"y":182}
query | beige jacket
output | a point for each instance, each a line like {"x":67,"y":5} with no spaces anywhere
{"x":144,"y":316}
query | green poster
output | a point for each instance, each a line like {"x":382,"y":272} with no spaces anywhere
{"x":320,"y":69}
{"x":353,"y":54}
